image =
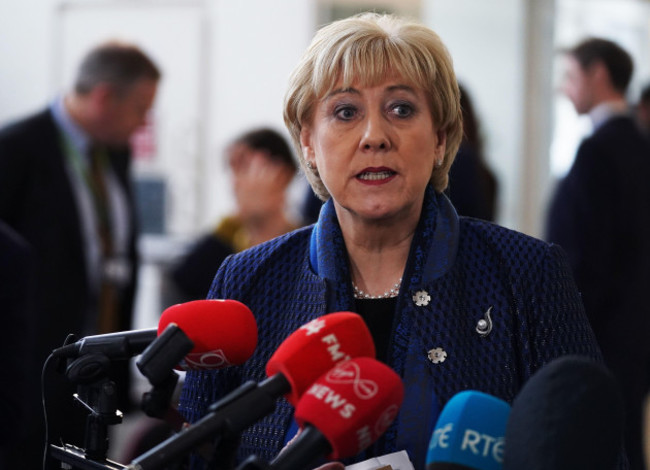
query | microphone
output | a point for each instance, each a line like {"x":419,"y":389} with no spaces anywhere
{"x":316,"y":347}
{"x":214,"y":334}
{"x":569,"y":414}
{"x":119,"y":345}
{"x":341,"y":414}
{"x":307,"y":353}
{"x":224,"y":333}
{"x":469,"y":434}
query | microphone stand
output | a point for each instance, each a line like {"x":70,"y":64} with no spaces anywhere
{"x":157,"y":363}
{"x":98,"y":394}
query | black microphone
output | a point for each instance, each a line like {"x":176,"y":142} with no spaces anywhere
{"x":223,"y":333}
{"x":119,"y":345}
{"x":569,"y":415}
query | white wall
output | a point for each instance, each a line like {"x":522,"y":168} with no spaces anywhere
{"x":25,"y":39}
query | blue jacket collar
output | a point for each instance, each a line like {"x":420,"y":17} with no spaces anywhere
{"x":436,"y":239}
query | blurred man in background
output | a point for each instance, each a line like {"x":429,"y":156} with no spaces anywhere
{"x":601,"y":216}
{"x":16,"y":299}
{"x":643,"y":110}
{"x":65,"y":179}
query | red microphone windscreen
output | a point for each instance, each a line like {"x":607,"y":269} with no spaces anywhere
{"x":224,"y":332}
{"x":316,"y":347}
{"x":352,"y":405}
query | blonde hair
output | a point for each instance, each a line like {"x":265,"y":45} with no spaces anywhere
{"x":366,"y":49}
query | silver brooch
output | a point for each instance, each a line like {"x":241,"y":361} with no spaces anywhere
{"x":421,"y":298}
{"x":437,"y":355}
{"x":484,"y":325}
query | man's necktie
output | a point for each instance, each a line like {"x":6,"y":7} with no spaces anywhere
{"x":108,"y":296}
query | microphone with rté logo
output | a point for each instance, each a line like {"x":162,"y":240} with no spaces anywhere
{"x":469,"y":434}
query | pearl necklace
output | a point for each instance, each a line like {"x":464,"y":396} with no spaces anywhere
{"x":359,"y":294}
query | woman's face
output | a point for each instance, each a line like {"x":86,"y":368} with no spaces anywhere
{"x":374,"y":148}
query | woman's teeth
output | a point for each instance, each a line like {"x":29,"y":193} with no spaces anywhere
{"x":380,"y":175}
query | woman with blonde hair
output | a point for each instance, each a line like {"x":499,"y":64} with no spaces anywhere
{"x":452,"y":303}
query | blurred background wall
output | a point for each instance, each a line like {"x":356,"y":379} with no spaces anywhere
{"x":225,"y":67}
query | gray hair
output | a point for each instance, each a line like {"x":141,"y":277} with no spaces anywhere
{"x":116,"y":63}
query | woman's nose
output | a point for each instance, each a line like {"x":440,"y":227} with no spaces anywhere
{"x":375,"y":134}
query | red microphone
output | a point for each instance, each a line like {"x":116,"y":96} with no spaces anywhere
{"x":316,"y":347}
{"x":305,"y":355}
{"x":224,"y":332}
{"x":200,"y":335}
{"x":343,"y":413}
{"x":203,"y":334}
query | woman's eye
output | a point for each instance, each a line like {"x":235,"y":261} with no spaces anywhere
{"x":402,"y":110}
{"x":345,"y":112}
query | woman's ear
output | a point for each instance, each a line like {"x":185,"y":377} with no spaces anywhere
{"x":441,"y":147}
{"x":305,"y":144}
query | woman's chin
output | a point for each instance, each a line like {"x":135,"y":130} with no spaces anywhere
{"x":378,"y":214}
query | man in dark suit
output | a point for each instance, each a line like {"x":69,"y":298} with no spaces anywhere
{"x":16,"y":298}
{"x":601,"y":216}
{"x":65,"y":188}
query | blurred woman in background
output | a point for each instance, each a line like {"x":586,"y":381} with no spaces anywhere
{"x":262,"y":168}
{"x":473,"y":188}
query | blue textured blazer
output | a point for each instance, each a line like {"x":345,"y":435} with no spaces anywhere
{"x":461,"y":267}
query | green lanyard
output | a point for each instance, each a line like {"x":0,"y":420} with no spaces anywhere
{"x":75,"y":160}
